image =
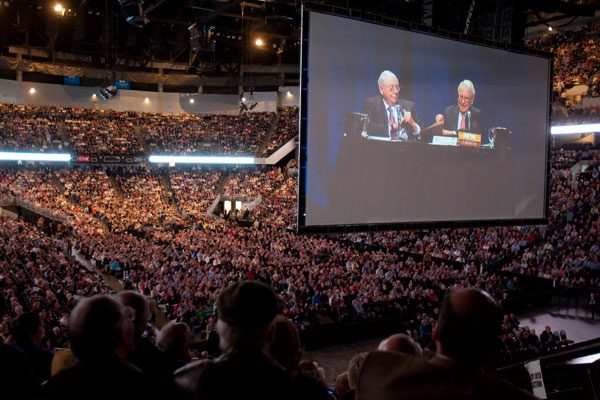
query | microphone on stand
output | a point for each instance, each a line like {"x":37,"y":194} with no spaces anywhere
{"x":399,"y":111}
{"x":468,"y":120}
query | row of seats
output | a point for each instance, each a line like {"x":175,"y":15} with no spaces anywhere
{"x":102,"y":132}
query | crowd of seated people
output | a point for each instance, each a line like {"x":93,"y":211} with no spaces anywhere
{"x":91,"y":188}
{"x":41,"y":187}
{"x":576,"y":52}
{"x":29,"y":128}
{"x":252,"y":182}
{"x":183,"y":134}
{"x":194,"y":190}
{"x":90,"y":131}
{"x":454,"y":245}
{"x":520,"y":343}
{"x":143,"y":202}
{"x":213,"y":134}
{"x":278,"y":206}
{"x":575,"y":115}
{"x":493,"y":244}
{"x":112,"y":351}
{"x":37,"y":275}
{"x":102,"y":132}
{"x":320,"y":280}
{"x":285,"y":128}
{"x":569,"y":252}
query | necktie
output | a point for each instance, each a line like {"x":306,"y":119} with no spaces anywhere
{"x":392,"y":121}
{"x":463,"y":121}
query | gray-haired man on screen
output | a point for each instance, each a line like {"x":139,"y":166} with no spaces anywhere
{"x":390,"y":116}
{"x":463,"y":116}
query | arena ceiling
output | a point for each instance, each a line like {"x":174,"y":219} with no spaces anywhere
{"x":155,"y":35}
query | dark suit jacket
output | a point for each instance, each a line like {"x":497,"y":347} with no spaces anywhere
{"x":249,"y":375}
{"x":107,"y":379}
{"x":378,"y":115}
{"x":451,"y":121}
{"x":391,"y":376}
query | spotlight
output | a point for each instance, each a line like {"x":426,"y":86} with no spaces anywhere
{"x":259,"y":42}
{"x":550,"y":29}
{"x":59,"y":9}
{"x":32,"y":91}
{"x":243,"y":99}
{"x":191,"y":101}
{"x":147,"y":100}
{"x":289,"y":94}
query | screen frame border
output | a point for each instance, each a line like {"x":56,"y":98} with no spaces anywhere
{"x":301,"y":226}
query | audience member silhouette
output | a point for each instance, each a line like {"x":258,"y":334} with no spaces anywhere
{"x":466,"y":337}
{"x":27,"y":333}
{"x":144,"y":355}
{"x":401,"y":343}
{"x":101,"y":333}
{"x":17,"y":378}
{"x":245,"y":371}
{"x":173,"y":343}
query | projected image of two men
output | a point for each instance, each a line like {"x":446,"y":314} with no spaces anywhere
{"x":404,"y":127}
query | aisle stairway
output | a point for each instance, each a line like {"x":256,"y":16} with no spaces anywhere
{"x":169,"y":195}
{"x":115,"y":184}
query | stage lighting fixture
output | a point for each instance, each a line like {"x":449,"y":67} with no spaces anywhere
{"x":32,"y":91}
{"x":133,"y":11}
{"x":201,"y":38}
{"x":108,"y":92}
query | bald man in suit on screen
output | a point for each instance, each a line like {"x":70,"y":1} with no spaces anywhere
{"x":390,"y":116}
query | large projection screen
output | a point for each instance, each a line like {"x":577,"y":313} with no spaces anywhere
{"x":454,"y":133}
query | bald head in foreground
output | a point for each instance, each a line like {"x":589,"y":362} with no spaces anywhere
{"x":101,"y":333}
{"x":466,"y":338}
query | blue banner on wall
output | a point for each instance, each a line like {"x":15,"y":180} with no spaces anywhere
{"x":122,"y":84}
{"x":72,"y":80}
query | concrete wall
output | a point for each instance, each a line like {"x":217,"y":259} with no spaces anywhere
{"x":135,"y":100}
{"x":288,"y":96}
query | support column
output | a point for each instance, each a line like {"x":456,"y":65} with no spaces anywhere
{"x":19,"y":73}
{"x":160,"y":85}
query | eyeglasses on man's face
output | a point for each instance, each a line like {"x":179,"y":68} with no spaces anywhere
{"x":394,"y":88}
